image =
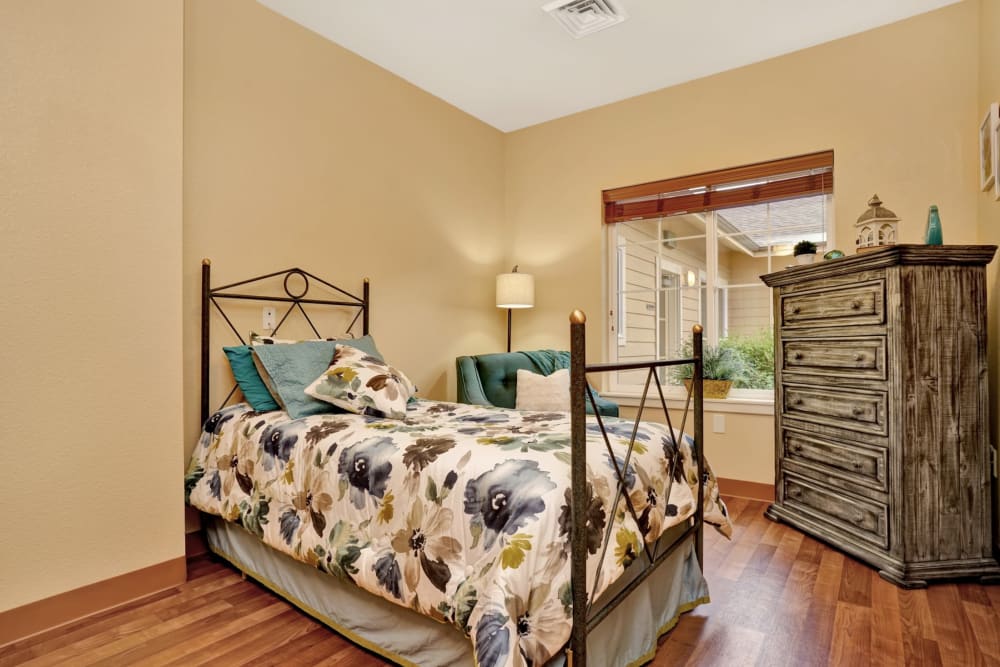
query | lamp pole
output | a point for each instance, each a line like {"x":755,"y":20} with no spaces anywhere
{"x":508,"y":328}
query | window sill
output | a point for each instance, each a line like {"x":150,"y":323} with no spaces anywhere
{"x":735,"y":405}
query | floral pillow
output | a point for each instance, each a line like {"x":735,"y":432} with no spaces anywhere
{"x":359,"y":382}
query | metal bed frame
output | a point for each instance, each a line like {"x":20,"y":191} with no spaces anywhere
{"x":585,"y":616}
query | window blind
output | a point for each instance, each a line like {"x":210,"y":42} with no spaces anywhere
{"x":787,"y":178}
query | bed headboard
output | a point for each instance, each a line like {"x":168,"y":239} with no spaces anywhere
{"x":296,"y":291}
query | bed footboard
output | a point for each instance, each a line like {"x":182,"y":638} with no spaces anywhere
{"x":585,"y":617}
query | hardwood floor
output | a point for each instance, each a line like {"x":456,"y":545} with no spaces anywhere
{"x":778,"y":598}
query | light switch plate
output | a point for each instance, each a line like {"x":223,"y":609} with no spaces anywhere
{"x":269,"y":318}
{"x":718,"y":423}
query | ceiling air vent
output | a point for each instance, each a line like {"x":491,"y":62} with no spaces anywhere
{"x":583,"y":17}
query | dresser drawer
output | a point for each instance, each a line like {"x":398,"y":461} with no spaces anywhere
{"x":853,"y":409}
{"x":852,"y":358}
{"x":854,"y":462}
{"x":866,"y":519}
{"x":846,"y":305}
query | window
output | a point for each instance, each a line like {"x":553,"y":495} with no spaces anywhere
{"x":690,"y":250}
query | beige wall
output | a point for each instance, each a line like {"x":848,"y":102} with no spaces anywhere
{"x":300,"y":153}
{"x":894,"y":104}
{"x":989,"y":208}
{"x":90,"y":222}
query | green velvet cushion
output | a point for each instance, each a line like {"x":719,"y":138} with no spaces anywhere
{"x":498,"y":375}
{"x":491,"y":379}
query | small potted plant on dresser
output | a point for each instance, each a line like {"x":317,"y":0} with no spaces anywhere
{"x":805,"y":252}
{"x":721,"y":365}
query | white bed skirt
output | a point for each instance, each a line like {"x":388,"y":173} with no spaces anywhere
{"x":627,"y":637}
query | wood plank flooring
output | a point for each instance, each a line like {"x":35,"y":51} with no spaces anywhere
{"x":778,"y":598}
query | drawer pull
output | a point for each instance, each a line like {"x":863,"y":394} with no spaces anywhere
{"x":857,"y":412}
{"x":796,"y":310}
{"x":797,"y":448}
{"x":856,"y":465}
{"x":797,"y":401}
{"x":797,"y":355}
{"x":859,"y":357}
{"x":855,"y":305}
{"x":795,"y":493}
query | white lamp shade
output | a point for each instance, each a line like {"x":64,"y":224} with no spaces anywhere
{"x":515,"y":290}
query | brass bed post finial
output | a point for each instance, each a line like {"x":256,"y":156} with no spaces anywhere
{"x":577,"y":317}
{"x":697,"y":329}
{"x":206,"y":262}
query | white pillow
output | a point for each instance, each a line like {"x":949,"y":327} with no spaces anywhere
{"x":549,"y":393}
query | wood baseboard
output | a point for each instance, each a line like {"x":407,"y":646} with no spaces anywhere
{"x":35,"y":617}
{"x":742,"y":489}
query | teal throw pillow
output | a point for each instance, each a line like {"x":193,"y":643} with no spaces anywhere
{"x":254,"y":390}
{"x":288,"y":369}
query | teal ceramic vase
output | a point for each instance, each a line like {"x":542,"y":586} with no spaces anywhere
{"x":933,"y":235}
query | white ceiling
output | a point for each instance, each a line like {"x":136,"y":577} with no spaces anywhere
{"x":511,"y":65}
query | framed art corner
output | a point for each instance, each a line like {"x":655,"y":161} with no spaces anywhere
{"x":988,"y":149}
{"x":995,"y":142}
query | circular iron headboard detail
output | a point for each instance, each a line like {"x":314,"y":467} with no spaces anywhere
{"x":305,"y":287}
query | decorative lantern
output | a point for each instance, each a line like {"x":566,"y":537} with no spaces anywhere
{"x":876,"y":227}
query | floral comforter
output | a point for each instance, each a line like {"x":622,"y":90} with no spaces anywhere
{"x":459,"y":512}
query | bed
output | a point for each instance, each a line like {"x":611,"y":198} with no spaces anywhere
{"x":434,"y":533}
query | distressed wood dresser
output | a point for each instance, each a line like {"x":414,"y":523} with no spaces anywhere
{"x":881,"y":412}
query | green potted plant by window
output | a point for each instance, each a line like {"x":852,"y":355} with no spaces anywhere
{"x":721,"y":365}
{"x":805,"y":252}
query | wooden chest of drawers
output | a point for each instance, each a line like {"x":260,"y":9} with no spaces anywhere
{"x":881,"y":409}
